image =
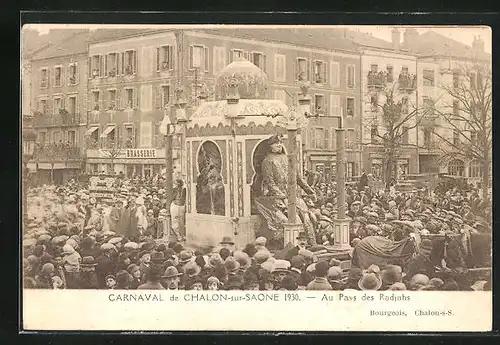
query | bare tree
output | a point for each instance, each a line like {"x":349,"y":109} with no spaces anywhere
{"x":394,"y":118}
{"x":466,"y":109}
{"x":112,"y":150}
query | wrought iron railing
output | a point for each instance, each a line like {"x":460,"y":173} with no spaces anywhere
{"x":407,"y":81}
{"x":57,"y":153}
{"x":46,"y":119}
{"x":377,"y":79}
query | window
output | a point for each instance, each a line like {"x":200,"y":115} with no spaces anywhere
{"x":95,"y":66}
{"x":374,"y":68}
{"x":165,"y":95}
{"x":58,"y":76}
{"x":58,"y":105}
{"x":319,"y":135}
{"x":428,"y":77}
{"x":73,"y":74}
{"x":280,"y":67}
{"x":259,"y":60}
{"x":335,"y":74}
{"x":44,"y":78}
{"x":335,"y":105}
{"x":72,"y":137}
{"x":41,"y":138}
{"x":199,"y":57}
{"x":475,"y":169}
{"x":42,"y":106}
{"x":350,"y":137}
{"x":129,"y":98}
{"x":112,"y":99}
{"x":302,"y":70}
{"x":165,"y":58}
{"x":404,"y":105}
{"x":428,"y":136}
{"x":455,"y":108}
{"x":111,"y":66}
{"x":390,"y":74}
{"x":57,"y":137}
{"x":374,"y":102}
{"x":236,"y":54}
{"x":72,"y":106}
{"x":130,"y":62}
{"x":473,"y":137}
{"x":319,"y":102}
{"x":428,"y":106}
{"x":374,"y":134}
{"x":405,"y":135}
{"x":95,"y":100}
{"x":350,"y":76}
{"x":319,"y":72}
{"x":129,"y":136}
{"x":456,"y":167}
{"x":350,"y":106}
{"x":219,"y":58}
{"x":456,"y":79}
{"x":350,"y":169}
{"x":456,"y":137}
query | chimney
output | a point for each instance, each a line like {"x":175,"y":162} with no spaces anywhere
{"x":410,"y":39}
{"x":478,"y":44}
{"x":396,"y":39}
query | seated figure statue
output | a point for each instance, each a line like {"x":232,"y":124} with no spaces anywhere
{"x":273,"y":200}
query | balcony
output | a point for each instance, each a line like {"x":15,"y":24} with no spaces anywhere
{"x":57,"y":153}
{"x":377,"y":80}
{"x":55,"y":120}
{"x":107,"y":144}
{"x":407,"y":82}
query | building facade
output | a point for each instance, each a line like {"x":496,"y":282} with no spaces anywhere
{"x":132,"y":83}
{"x":58,"y":90}
{"x":384,"y":72}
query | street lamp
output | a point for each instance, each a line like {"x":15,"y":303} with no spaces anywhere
{"x":28,"y":147}
{"x":341,"y":222}
{"x":169,"y":128}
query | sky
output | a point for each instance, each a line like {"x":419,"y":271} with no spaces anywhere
{"x":464,"y":34}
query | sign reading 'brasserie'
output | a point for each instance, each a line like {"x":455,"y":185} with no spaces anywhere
{"x":141,"y":153}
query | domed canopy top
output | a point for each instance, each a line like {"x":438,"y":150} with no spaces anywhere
{"x":250,"y":80}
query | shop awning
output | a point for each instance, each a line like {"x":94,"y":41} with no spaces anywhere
{"x":91,"y":130}
{"x":108,"y":130}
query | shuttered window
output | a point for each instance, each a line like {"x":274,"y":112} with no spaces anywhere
{"x":334,"y":74}
{"x":335,"y":105}
{"x":219,"y":58}
{"x":280,"y":67}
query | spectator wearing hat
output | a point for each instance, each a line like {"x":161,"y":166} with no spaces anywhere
{"x":227,"y":242}
{"x":320,"y":281}
{"x":334,"y":277}
{"x":87,"y":277}
{"x":418,"y":281}
{"x":71,"y":262}
{"x":355,"y":274}
{"x":421,"y":263}
{"x":302,"y":243}
{"x":390,"y":275}
{"x":123,"y":280}
{"x":105,"y":265}
{"x":195,"y":284}
{"x":288,"y":283}
{"x":153,"y":279}
{"x":171,"y":278}
{"x":281,"y":270}
{"x":369,"y":281}
{"x":260,"y":243}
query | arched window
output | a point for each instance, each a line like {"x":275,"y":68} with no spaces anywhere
{"x":210,"y":196}
{"x":475,"y":169}
{"x":456,"y":167}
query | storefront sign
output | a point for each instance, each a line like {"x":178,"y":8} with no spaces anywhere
{"x":141,"y":153}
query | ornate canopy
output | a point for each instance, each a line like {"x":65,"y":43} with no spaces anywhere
{"x":250,"y":80}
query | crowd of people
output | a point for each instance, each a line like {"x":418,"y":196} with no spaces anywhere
{"x":72,"y":241}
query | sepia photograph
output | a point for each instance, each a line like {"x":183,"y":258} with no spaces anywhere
{"x":338,"y":169}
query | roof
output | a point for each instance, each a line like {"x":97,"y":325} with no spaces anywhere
{"x":75,"y":42}
{"x":433,"y":43}
{"x":33,"y":42}
{"x":330,"y":39}
{"x":102,"y":35}
{"x":367,"y":40}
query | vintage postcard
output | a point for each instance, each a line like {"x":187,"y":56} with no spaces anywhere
{"x":175,"y":173}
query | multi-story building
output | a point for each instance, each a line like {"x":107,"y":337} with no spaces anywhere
{"x":132,"y":82}
{"x":443,"y":63}
{"x":387,"y":69}
{"x":58,"y":88}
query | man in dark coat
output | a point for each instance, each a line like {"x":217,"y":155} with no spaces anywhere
{"x":422,"y":262}
{"x":105,"y":265}
{"x":295,"y":250}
